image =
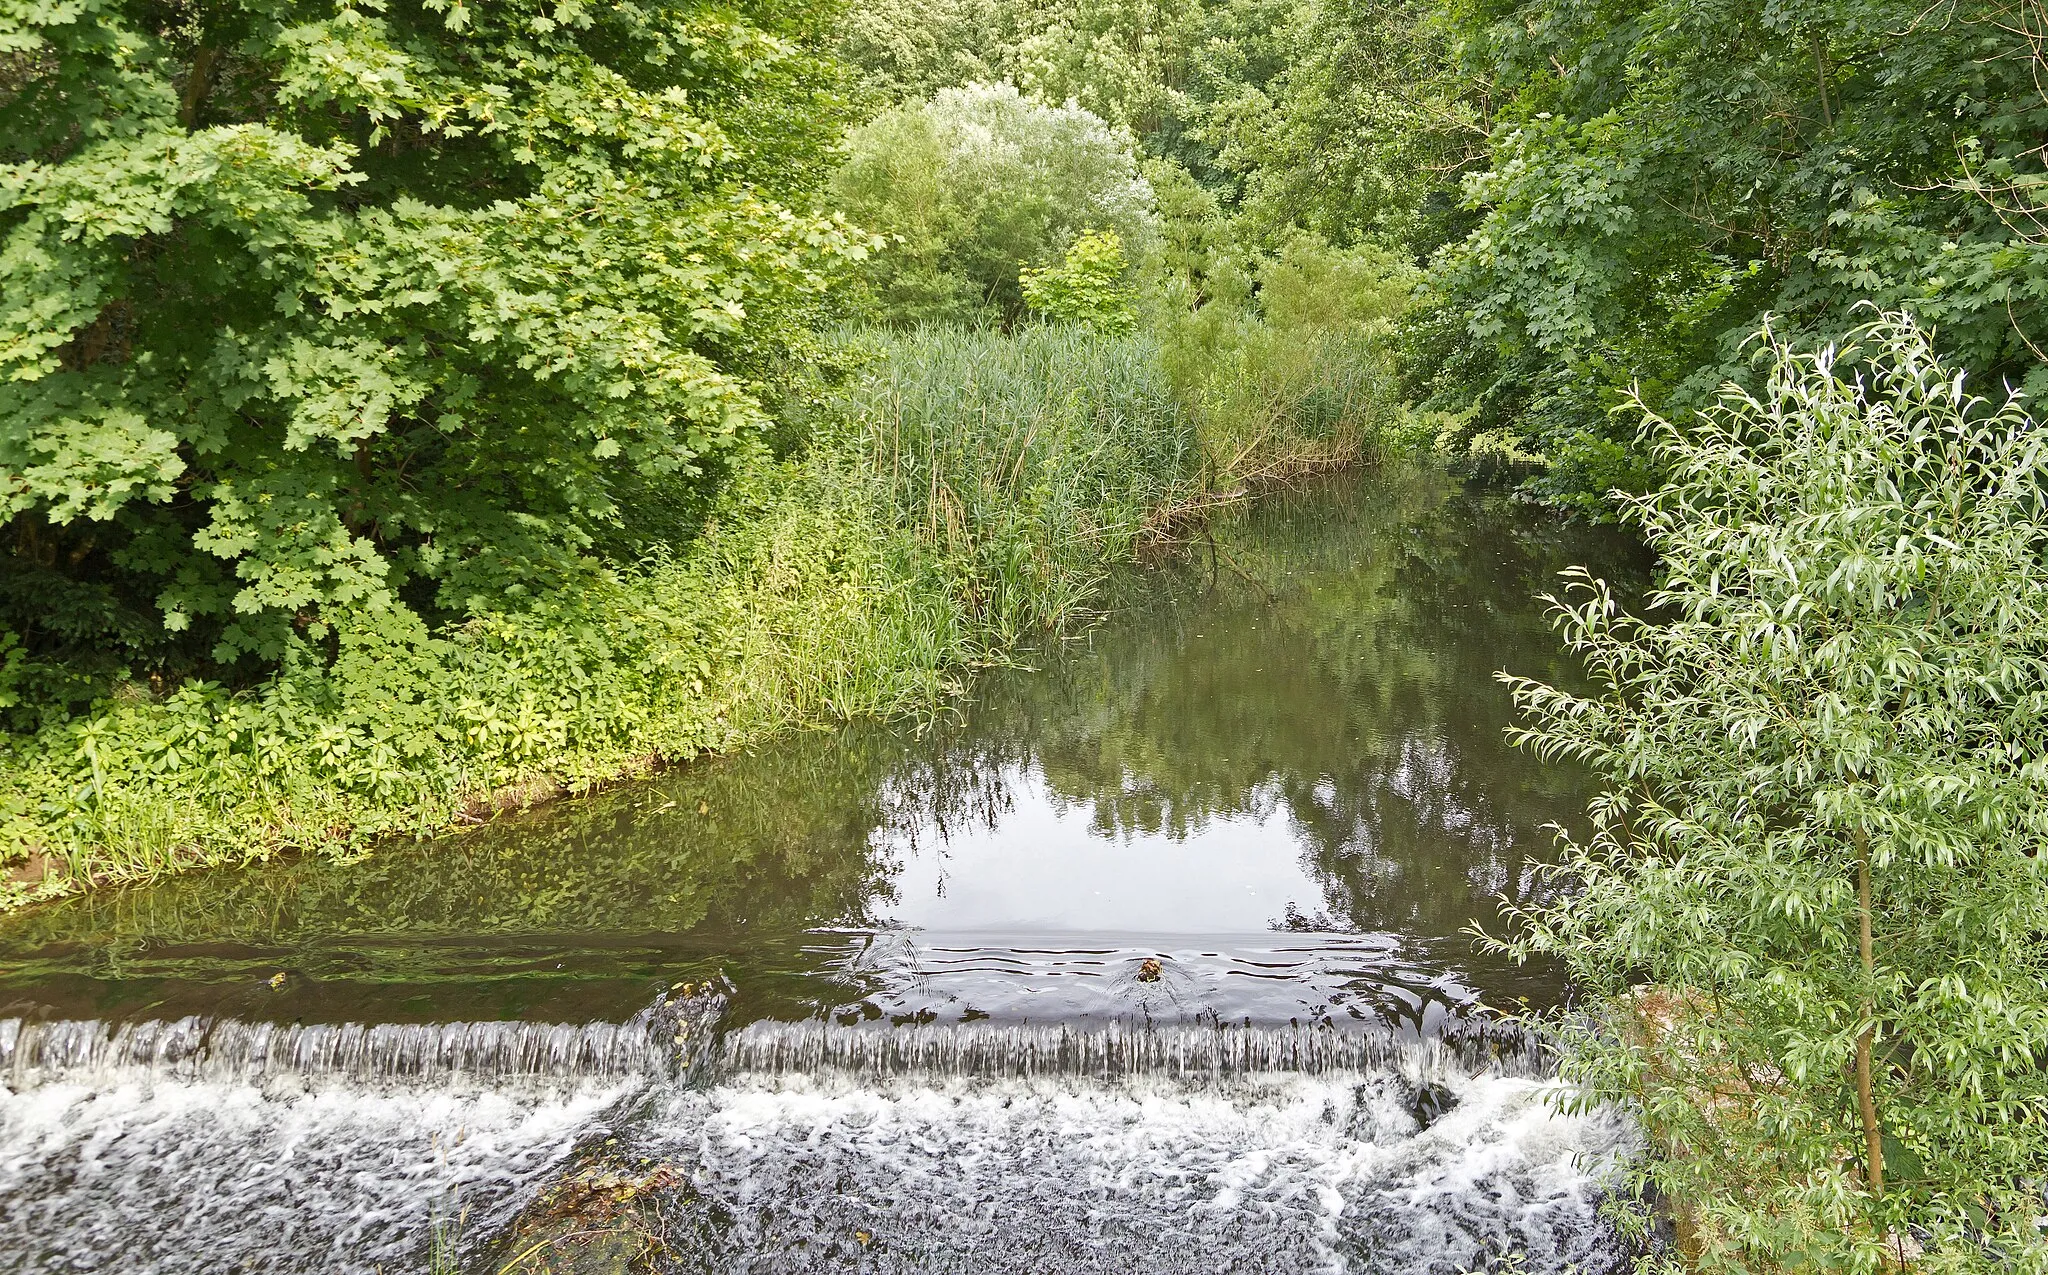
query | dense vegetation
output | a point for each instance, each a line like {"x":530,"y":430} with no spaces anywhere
{"x":1661,"y":176}
{"x":412,"y":409}
{"x":1815,"y":895}
{"x":321,"y":316}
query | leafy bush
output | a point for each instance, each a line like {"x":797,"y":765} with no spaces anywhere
{"x":976,"y":182}
{"x":374,"y":310}
{"x":1296,"y":375}
{"x":801,"y":601}
{"x":1814,"y":898}
{"x":1088,"y":287}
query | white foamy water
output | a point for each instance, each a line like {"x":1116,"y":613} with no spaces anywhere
{"x":175,"y":1177}
{"x":1274,"y":1173}
{"x":210,"y":1146}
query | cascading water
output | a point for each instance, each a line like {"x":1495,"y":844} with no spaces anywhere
{"x":1179,"y":1050}
{"x":191,"y":1146}
{"x":226,"y":1051}
{"x":1283,"y":1173}
{"x":130,"y":1170}
{"x":198,"y":1145}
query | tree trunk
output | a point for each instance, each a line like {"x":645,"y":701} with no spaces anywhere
{"x":1866,"y":1096}
{"x":205,"y":61}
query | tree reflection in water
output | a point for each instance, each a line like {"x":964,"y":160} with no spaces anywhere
{"x":1298,"y":718}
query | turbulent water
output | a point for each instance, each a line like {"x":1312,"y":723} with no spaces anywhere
{"x":1273,"y":1172}
{"x":195,"y":1146}
{"x":215,"y":1176}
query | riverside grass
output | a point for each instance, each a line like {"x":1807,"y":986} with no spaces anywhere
{"x":970,"y":489}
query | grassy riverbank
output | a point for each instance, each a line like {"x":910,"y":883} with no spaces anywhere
{"x":967,"y":489}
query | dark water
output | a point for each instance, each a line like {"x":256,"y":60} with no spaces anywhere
{"x":1157,"y":944}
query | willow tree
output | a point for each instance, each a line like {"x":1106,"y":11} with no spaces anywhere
{"x":318,"y":309}
{"x":1815,"y":895}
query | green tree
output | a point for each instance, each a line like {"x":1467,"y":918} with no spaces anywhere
{"x":1156,"y":67}
{"x":969,"y":184}
{"x":1814,"y":901}
{"x":1089,"y":286}
{"x":315,"y":309}
{"x":1364,"y":133}
{"x":1664,"y":172}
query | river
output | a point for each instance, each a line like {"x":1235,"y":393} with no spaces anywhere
{"x":1151,"y":956}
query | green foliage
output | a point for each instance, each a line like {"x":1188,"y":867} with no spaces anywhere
{"x":1087,"y":287}
{"x":1816,"y":873}
{"x":1173,"y":72}
{"x":1296,"y":375}
{"x":1344,"y":118}
{"x":1663,"y":174}
{"x":1122,"y":60}
{"x":799,"y":602}
{"x":317,"y":311}
{"x":1025,"y":463}
{"x":974,"y":181}
{"x":1361,"y":137}
{"x":967,"y":490}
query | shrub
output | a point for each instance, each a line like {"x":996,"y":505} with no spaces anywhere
{"x":1814,"y":896}
{"x":969,"y":184}
{"x":968,"y":490}
{"x":1299,"y":374}
{"x":1088,"y":287}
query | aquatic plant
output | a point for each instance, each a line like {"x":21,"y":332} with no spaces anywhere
{"x":1026,"y":463}
{"x":1284,"y":363}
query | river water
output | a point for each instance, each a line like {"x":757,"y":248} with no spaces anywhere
{"x":1151,"y":957}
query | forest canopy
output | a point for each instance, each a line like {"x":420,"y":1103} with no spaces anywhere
{"x":1663,"y":175}
{"x":1608,"y":194}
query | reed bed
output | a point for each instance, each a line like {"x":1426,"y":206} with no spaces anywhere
{"x":1026,"y":463}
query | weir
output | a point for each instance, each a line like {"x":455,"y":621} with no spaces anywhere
{"x":224,"y":1050}
{"x":672,"y":1038}
{"x":1181,"y":1051}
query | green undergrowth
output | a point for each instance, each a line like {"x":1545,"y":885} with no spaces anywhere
{"x":800,"y":602}
{"x":968,"y":489}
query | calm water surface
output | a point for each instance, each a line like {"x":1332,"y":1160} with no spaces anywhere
{"x":1267,"y":797}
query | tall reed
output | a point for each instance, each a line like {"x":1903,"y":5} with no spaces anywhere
{"x":1026,"y":462}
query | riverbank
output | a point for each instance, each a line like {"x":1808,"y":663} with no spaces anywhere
{"x":967,"y":490}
